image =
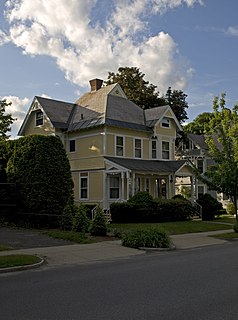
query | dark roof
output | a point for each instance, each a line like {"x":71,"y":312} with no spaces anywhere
{"x":127,"y":125}
{"x":148,"y":165}
{"x":59,"y":112}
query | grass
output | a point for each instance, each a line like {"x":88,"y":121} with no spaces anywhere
{"x":4,"y":248}
{"x":180,"y":227}
{"x":69,"y":235}
{"x":17,"y":260}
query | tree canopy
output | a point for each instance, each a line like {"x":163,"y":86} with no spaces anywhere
{"x":144,"y":94}
{"x":177,"y":101}
{"x":201,"y":124}
{"x":222,"y":141}
{"x":5,"y":119}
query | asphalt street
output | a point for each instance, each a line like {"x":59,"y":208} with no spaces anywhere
{"x":194,"y":284}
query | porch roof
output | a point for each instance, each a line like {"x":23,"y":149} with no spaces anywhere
{"x":158,"y":166}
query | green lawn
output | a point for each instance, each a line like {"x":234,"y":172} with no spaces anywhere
{"x":69,"y":235}
{"x":4,"y":248}
{"x":172,"y":227}
{"x":17,"y":260}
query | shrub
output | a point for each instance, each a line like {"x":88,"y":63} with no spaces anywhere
{"x":230,"y":209}
{"x":210,"y":206}
{"x":40,"y":167}
{"x":174,"y":210}
{"x":80,"y":220}
{"x":99,"y":225}
{"x":235,"y":227}
{"x":66,"y":218}
{"x":151,"y":238}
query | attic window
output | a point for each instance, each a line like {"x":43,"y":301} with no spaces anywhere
{"x":39,"y":118}
{"x":165,"y":122}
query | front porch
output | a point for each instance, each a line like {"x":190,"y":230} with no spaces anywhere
{"x":125,"y":177}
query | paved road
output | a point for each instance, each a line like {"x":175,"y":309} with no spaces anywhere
{"x":194,"y":284}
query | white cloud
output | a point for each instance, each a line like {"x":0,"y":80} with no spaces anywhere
{"x":84,"y":49}
{"x":233,"y":31}
{"x":3,"y":38}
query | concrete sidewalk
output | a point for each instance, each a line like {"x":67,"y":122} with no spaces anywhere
{"x":110,"y":250}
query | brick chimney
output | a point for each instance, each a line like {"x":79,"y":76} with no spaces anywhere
{"x":95,"y":84}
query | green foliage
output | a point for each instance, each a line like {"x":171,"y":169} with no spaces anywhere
{"x":14,"y":260}
{"x":6,"y":150}
{"x":40,"y":167}
{"x":235,"y":227}
{"x":200,"y":125}
{"x":177,"y":101}
{"x":158,"y":211}
{"x":138,"y":90}
{"x":69,"y":236}
{"x":66,"y":218}
{"x":210,"y":206}
{"x":141,"y":198}
{"x":99,"y":225}
{"x":5,"y":119}
{"x":80,"y":221}
{"x":150,"y":238}
{"x":222,"y":142}
{"x":230,"y":209}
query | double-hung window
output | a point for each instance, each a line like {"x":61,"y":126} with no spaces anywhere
{"x":165,"y":123}
{"x":39,"y":118}
{"x":83,"y":186}
{"x":72,"y":145}
{"x":138,"y":147}
{"x":165,"y":150}
{"x":200,"y":165}
{"x":114,"y":187}
{"x":153,"y":149}
{"x":119,"y":146}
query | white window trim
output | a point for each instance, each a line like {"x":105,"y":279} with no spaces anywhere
{"x":123,"y":150}
{"x":151,"y":149}
{"x":80,"y":179}
{"x":170,"y":145}
{"x":109,"y":189}
{"x":165,"y":127}
{"x":37,"y":112}
{"x":134,"y":148}
{"x":74,"y":146}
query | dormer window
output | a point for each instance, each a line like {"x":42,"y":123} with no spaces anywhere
{"x":165,"y":123}
{"x":39,"y":118}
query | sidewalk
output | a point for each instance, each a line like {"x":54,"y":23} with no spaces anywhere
{"x":110,"y":250}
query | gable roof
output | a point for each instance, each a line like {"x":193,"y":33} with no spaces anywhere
{"x":107,"y":105}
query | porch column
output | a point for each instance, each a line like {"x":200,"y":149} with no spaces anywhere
{"x":172,"y":179}
{"x":122,"y":186}
{"x":133,"y":184}
{"x":127,"y":185}
{"x":105,"y":190}
{"x":192,"y":188}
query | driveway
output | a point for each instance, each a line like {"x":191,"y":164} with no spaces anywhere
{"x":25,"y":239}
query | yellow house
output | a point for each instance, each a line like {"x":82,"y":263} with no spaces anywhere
{"x":115,"y":148}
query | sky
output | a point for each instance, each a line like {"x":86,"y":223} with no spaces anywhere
{"x":52,"y":48}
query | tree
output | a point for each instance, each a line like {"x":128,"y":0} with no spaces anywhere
{"x":40,"y":167}
{"x":177,"y":101}
{"x":200,"y":125}
{"x":222,"y":142}
{"x":144,"y":94}
{"x":5,"y":119}
{"x":141,"y":92}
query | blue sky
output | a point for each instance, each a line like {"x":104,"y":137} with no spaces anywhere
{"x":52,"y":48}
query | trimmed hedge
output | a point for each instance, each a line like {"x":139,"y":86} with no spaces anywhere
{"x":210,"y":206}
{"x":40,"y":167}
{"x":158,"y":211}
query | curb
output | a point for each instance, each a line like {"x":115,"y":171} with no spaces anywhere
{"x":22,"y":268}
{"x":172,"y":247}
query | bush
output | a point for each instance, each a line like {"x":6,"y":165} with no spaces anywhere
{"x":80,"y":220}
{"x":174,"y":210}
{"x":99,"y":225}
{"x":159,"y":211}
{"x":210,"y":206}
{"x":66,"y":218}
{"x":151,"y":238}
{"x":40,"y":167}
{"x":230,"y":209}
